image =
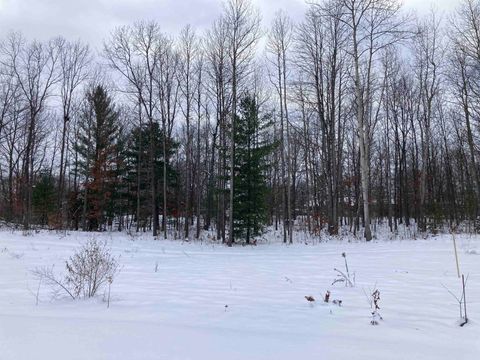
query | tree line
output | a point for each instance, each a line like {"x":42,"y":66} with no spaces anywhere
{"x":358,"y":114}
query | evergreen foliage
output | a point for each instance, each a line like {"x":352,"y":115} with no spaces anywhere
{"x":43,"y":198}
{"x":251,"y":151}
{"x":97,"y":145}
{"x":138,"y":164}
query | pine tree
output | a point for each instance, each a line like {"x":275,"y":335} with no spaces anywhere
{"x":97,"y":146}
{"x":251,"y":151}
{"x":43,"y":198}
{"x":138,"y":166}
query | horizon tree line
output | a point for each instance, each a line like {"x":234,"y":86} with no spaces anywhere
{"x":359,"y":114}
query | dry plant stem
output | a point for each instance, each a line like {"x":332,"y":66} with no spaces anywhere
{"x":346,"y":264}
{"x":47,"y":273}
{"x":38,"y":291}
{"x":464,"y":302}
{"x":108,"y":299}
{"x":456,"y":298}
{"x":348,"y":282}
{"x":461,"y":301}
{"x":456,"y":254}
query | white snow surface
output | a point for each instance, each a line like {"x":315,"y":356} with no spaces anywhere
{"x":179,"y":312}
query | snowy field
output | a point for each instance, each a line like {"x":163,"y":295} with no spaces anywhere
{"x":179,"y":311}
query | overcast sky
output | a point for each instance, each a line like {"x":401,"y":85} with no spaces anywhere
{"x":93,"y":20}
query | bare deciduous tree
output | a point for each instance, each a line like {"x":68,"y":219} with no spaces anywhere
{"x":34,"y":66}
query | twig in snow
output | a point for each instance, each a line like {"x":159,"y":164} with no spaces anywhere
{"x":47,"y":274}
{"x":110,"y":280}
{"x":341,"y":277}
{"x":375,"y":314}
{"x":462,"y":303}
{"x":344,"y":255}
{"x":373,"y":301}
{"x":38,"y":291}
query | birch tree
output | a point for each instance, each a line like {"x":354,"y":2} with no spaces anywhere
{"x":372,"y":25}
{"x":279,"y":42}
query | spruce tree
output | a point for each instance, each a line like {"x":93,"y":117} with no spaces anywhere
{"x":251,"y":150}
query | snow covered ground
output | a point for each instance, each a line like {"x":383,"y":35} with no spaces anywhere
{"x":179,"y":312}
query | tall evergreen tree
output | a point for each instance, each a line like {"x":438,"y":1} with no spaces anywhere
{"x":97,"y":147}
{"x":252,"y":148}
{"x":43,"y":198}
{"x":139,"y":169}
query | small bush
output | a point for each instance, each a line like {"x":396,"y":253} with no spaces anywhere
{"x":89,"y":269}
